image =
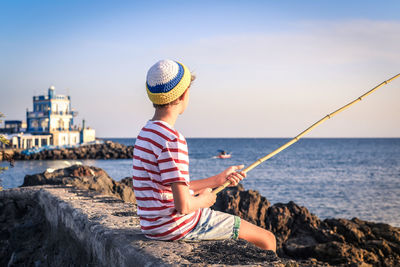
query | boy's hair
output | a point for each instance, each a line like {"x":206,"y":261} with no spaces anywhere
{"x":176,"y":101}
{"x":167,"y":81}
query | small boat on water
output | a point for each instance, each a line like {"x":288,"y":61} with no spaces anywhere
{"x":223,"y":154}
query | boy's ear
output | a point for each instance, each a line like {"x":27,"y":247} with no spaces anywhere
{"x":182,"y":97}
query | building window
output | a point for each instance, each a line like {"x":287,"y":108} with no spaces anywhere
{"x":44,"y":124}
{"x":61,"y":124}
{"x":34,"y":124}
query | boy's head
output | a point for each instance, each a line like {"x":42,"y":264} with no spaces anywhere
{"x":167,"y":81}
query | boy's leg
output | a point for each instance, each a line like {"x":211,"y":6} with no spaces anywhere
{"x":258,"y":236}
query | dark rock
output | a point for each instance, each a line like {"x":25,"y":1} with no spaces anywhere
{"x":303,"y":236}
{"x":221,"y":252}
{"x":127,"y":181}
{"x":83,"y":177}
{"x":249,"y":205}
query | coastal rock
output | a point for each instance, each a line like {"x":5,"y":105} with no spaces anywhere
{"x":303,"y":236}
{"x":83,"y":177}
{"x":221,"y":252}
{"x":249,"y":205}
{"x":127,"y":181}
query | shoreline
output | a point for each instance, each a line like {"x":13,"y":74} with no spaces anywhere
{"x":301,"y":235}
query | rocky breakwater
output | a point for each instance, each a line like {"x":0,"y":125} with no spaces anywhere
{"x":107,"y":150}
{"x":302,"y":235}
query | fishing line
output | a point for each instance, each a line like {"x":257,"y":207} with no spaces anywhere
{"x":295,"y":139}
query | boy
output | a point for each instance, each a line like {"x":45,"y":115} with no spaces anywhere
{"x":170,"y":206}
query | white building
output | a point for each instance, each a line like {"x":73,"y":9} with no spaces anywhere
{"x":51,"y":123}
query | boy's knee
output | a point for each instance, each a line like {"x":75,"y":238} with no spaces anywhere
{"x":269,"y":242}
{"x":271,"y":235}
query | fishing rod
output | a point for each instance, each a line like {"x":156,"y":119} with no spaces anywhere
{"x":294,"y":140}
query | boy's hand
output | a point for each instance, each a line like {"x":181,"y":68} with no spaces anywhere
{"x":208,"y":198}
{"x":232,"y":175}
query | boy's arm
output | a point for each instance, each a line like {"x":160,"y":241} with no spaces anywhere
{"x":230,"y":174}
{"x":186,"y":203}
{"x":199,"y":185}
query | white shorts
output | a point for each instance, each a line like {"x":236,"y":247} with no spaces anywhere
{"x":214,"y":225}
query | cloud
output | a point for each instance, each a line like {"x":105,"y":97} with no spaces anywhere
{"x":308,"y":43}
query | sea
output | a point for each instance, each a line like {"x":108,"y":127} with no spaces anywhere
{"x":332,"y":177}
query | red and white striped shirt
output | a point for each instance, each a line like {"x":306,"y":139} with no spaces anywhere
{"x":160,"y":158}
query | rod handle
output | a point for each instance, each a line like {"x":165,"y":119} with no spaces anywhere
{"x":227,"y":183}
{"x":221,"y":187}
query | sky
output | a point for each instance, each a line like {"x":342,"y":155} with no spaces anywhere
{"x":264,"y":68}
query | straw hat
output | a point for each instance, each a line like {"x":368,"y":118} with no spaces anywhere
{"x":166,"y":81}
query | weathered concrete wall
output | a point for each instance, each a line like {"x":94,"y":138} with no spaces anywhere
{"x":108,"y":229}
{"x":27,"y":239}
{"x":97,"y":222}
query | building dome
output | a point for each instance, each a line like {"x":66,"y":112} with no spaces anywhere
{"x":52,"y":87}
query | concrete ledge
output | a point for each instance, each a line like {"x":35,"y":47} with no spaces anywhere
{"x":109,"y":230}
{"x":106,"y":226}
